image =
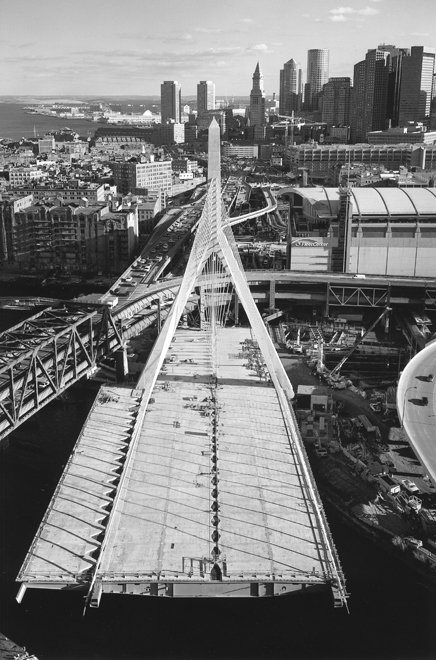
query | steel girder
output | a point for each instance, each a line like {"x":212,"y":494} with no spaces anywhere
{"x":430,"y":299}
{"x":43,"y":355}
{"x":358,"y":296}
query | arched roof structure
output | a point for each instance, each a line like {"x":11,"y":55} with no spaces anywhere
{"x":374,"y":201}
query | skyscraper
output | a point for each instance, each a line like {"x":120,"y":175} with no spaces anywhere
{"x":397,"y":56}
{"x":290,"y":92}
{"x":257,"y":104}
{"x":370,"y":93}
{"x":416,"y":85}
{"x":171,"y":101}
{"x":357,"y":101}
{"x":317,"y":75}
{"x":336,"y":102}
{"x":205,"y":96}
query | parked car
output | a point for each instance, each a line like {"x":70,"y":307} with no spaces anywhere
{"x":410,"y":486}
{"x":321,"y":452}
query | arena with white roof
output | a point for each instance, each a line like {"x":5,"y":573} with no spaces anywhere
{"x":386,"y":231}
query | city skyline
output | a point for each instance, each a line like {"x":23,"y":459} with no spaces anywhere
{"x":103,"y":48}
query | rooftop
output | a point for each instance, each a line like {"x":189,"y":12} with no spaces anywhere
{"x":374,"y":201}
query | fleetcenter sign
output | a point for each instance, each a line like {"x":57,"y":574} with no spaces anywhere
{"x":309,"y":242}
{"x":310,"y":253}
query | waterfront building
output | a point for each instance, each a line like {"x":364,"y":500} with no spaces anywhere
{"x":171,"y":101}
{"x":205,"y":96}
{"x":317,"y":76}
{"x":290,"y":88}
{"x":140,"y":176}
{"x":336,"y":102}
{"x":416,"y":85}
{"x":257,"y":104}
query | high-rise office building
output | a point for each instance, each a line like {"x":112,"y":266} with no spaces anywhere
{"x":257,"y":103}
{"x":336,"y":102}
{"x":416,"y":85}
{"x":290,"y":88}
{"x":171,"y":101}
{"x":370,"y":93}
{"x":205,"y":96}
{"x":397,"y":56}
{"x":317,"y":75}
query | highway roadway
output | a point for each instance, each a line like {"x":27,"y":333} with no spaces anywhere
{"x":418,"y":417}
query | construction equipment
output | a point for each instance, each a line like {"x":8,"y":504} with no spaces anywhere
{"x":293,"y":121}
{"x":358,"y":341}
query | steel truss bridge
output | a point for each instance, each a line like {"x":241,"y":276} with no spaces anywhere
{"x":45,"y":354}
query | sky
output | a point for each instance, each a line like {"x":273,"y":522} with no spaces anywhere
{"x":128,"y":47}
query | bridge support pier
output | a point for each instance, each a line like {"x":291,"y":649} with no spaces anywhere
{"x":121,"y":364}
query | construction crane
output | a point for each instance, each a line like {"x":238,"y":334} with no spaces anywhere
{"x":293,"y":121}
{"x":358,"y":341}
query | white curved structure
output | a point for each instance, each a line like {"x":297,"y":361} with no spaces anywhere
{"x":419,"y":419}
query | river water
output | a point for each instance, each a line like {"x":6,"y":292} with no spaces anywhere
{"x":392,"y":615}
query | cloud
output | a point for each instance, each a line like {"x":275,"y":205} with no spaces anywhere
{"x":340,"y":14}
{"x":31,"y":58}
{"x":208,"y":30}
{"x":175,"y":37}
{"x":306,"y":15}
{"x":262,"y":48}
{"x":245,"y":20}
{"x":276,"y":43}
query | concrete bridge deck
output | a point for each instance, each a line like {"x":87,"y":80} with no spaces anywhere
{"x":209,"y":465}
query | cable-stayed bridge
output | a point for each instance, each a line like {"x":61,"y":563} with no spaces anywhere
{"x":196,"y":481}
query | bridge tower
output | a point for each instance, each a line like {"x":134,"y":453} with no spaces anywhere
{"x":200,"y":479}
